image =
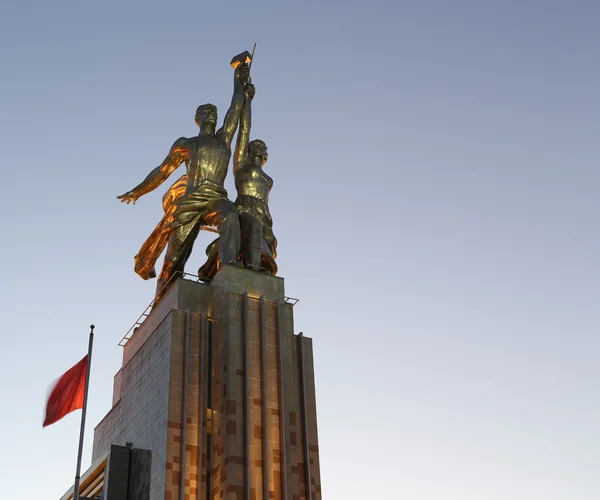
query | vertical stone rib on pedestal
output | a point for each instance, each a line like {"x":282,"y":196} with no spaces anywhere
{"x":209,"y":409}
{"x":228,"y":448}
{"x":282,"y":416}
{"x":245,"y":396}
{"x":201,"y":411}
{"x":263,"y":390}
{"x":308,"y":488}
{"x":184,"y":402}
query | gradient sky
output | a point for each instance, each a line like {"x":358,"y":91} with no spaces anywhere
{"x":435,"y":200}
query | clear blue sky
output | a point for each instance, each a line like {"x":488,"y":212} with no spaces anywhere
{"x":435,"y":199}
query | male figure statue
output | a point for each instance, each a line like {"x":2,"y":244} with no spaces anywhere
{"x":205,"y":200}
{"x":259,"y":245}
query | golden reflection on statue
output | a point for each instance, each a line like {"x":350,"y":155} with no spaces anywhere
{"x":259,"y":245}
{"x":146,"y":258}
{"x":204,"y":201}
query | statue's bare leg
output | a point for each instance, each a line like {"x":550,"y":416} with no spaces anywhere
{"x":223,"y":215}
{"x":252,"y":236}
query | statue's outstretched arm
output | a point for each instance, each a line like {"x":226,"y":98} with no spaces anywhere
{"x":243,"y":137}
{"x":232,"y":117}
{"x":178,"y":154}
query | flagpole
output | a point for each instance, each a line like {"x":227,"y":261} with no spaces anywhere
{"x":81,"y":431}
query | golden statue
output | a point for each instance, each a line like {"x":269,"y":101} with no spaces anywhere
{"x":204,"y":201}
{"x":146,"y":258}
{"x":259,"y":245}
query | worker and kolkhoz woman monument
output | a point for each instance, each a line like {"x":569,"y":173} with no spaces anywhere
{"x":198,"y":200}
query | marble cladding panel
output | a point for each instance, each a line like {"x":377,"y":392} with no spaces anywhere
{"x":240,"y":280}
{"x":140,"y":414}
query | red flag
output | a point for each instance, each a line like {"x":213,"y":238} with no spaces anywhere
{"x":67,"y":394}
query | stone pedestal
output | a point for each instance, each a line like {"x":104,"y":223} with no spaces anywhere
{"x":217,"y":386}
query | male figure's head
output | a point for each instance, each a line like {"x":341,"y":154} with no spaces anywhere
{"x":257,"y":151}
{"x":207,"y":113}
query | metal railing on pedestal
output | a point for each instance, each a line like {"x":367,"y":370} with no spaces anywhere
{"x":186,"y":276}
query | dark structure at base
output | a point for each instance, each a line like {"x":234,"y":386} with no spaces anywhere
{"x":120,"y":473}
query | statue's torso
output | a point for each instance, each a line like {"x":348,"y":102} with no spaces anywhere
{"x":251,"y":180}
{"x":208,"y":160}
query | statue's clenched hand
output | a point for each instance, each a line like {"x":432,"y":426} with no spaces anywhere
{"x":242,"y":72}
{"x":249,"y":91}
